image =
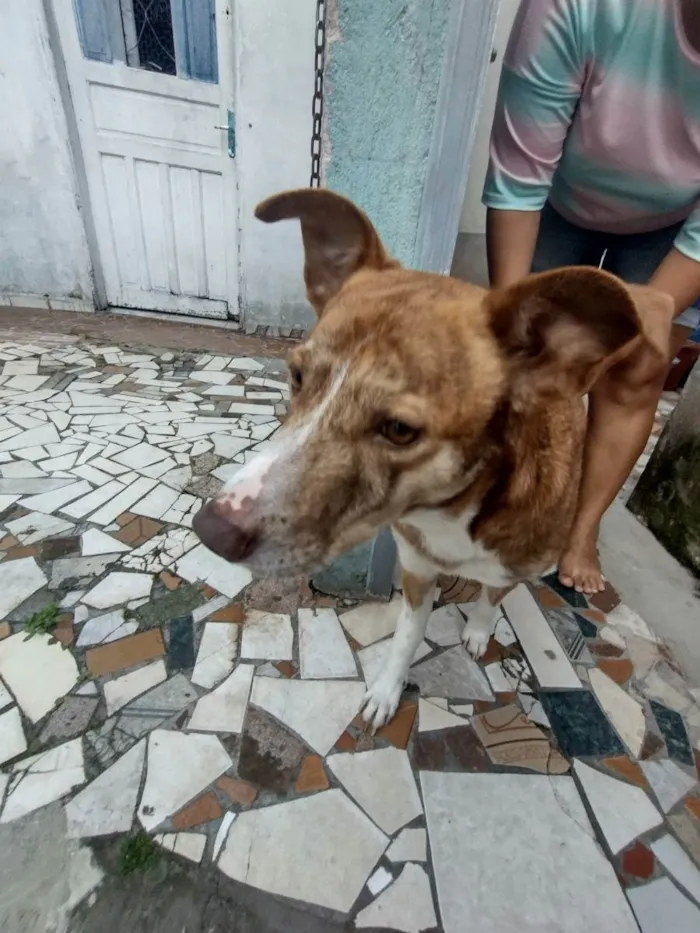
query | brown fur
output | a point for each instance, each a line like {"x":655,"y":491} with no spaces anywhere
{"x":491,"y":380}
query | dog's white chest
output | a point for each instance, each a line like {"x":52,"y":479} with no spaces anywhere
{"x":450,"y":547}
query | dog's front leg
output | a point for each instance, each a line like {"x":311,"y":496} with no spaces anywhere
{"x":482,"y":619}
{"x":384,"y":694}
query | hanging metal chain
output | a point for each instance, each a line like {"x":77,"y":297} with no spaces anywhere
{"x":317,"y":106}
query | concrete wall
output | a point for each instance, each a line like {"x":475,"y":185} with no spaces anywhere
{"x":473,"y":219}
{"x":667,"y":497}
{"x":275,"y":54}
{"x":43,"y":248}
{"x":383,"y":72}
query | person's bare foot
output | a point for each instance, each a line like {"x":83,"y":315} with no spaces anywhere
{"x":579,"y":566}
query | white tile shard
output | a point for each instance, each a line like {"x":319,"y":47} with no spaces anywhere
{"x":12,"y":738}
{"x":216,"y":654}
{"x":318,"y":710}
{"x":38,"y":672}
{"x":371,"y":622}
{"x":432,"y":717}
{"x":19,"y":579}
{"x":200,"y":565}
{"x":44,"y":778}
{"x":107,"y":805}
{"x":382,"y":783}
{"x":659,"y":907}
{"x":411,"y":845}
{"x":623,"y":812}
{"x":323,"y":648}
{"x":122,"y":690}
{"x":178,"y":768}
{"x":406,"y":906}
{"x":267,"y":636}
{"x":119,"y":587}
{"x":273,"y":849}
{"x":223,"y":710}
{"x":625,"y":713}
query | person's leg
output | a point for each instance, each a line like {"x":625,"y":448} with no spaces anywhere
{"x":621,"y":412}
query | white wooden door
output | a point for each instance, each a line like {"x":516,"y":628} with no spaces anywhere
{"x":159,"y":160}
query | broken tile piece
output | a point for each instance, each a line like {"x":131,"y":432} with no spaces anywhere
{"x":38,"y":672}
{"x":545,"y":655}
{"x":19,"y":579}
{"x":189,"y":845}
{"x":373,"y":658}
{"x":222,"y":834}
{"x":238,"y":791}
{"x":118,"y":587}
{"x":579,"y":724}
{"x":267,"y":636}
{"x":452,"y":674}
{"x":674,"y":732}
{"x":669,"y":783}
{"x":105,"y":628}
{"x":44,"y":778}
{"x":398,"y":729}
{"x":533,"y":809}
{"x":624,"y":712}
{"x":677,"y":864}
{"x":201,"y":565}
{"x":216,"y":655}
{"x":382,"y":783}
{"x":95,"y":541}
{"x":323,"y":649}
{"x":12,"y":739}
{"x":445,"y":626}
{"x":72,"y":717}
{"x":223,"y":710}
{"x":118,"y":655}
{"x":407,"y":905}
{"x":638,"y":861}
{"x":107,"y":805}
{"x":379,"y":880}
{"x":202,"y":810}
{"x":328,"y":867}
{"x":371,"y":622}
{"x":312,"y":777}
{"x":34,"y":527}
{"x":626,"y":768}
{"x":122,"y":690}
{"x":623,"y":812}
{"x":179,"y":767}
{"x":151,"y":709}
{"x":659,"y":906}
{"x":431,"y":717}
{"x":317,"y":710}
{"x":409,"y":846}
{"x":510,"y":740}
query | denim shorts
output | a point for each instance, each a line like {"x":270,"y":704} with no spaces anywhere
{"x":633,"y":257}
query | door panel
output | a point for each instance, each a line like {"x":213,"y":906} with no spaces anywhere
{"x":162,"y":184}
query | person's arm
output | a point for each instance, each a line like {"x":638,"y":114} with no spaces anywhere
{"x":679,"y":273}
{"x":543,"y":72}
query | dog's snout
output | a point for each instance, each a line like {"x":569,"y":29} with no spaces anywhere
{"x":232,"y":536}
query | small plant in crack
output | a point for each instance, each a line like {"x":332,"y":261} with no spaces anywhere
{"x":139,"y":853}
{"x":43,"y":622}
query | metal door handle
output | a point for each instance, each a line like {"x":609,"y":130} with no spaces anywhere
{"x":230,"y":128}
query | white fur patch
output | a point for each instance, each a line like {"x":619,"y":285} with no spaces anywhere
{"x":448,"y":539}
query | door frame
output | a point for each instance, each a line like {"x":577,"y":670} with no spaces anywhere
{"x":103,"y":262}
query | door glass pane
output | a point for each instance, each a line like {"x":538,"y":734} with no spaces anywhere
{"x":175,"y":37}
{"x":153,"y":25}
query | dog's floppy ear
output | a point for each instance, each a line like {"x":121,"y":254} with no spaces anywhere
{"x":559,"y":329}
{"x":338,"y":239}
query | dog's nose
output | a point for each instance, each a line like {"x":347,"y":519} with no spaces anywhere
{"x":232,"y":536}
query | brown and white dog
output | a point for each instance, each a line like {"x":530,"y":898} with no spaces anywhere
{"x":453,"y":414}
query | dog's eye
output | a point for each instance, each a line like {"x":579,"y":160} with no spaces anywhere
{"x":398,"y":432}
{"x":296,"y":376}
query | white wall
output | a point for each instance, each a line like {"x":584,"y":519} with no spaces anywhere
{"x":473,"y":219}
{"x":275,"y":54}
{"x":43,"y":247}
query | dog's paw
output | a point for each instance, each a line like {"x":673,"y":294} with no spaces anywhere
{"x":475,"y":637}
{"x":381,"y":701}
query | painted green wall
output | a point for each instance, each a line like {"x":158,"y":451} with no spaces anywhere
{"x":383,"y":69}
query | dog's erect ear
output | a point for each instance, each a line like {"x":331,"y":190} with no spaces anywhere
{"x":338,"y":239}
{"x":560,"y":329}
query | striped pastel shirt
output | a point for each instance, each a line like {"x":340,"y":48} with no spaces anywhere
{"x":599,"y":112}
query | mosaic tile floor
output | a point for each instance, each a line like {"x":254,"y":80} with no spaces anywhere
{"x":153,"y":688}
